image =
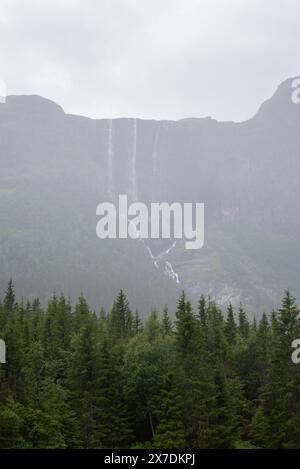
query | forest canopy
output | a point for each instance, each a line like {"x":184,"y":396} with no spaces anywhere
{"x":76,"y":378}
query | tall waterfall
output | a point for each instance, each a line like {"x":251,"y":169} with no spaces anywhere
{"x":132,"y":175}
{"x":170,"y":272}
{"x":158,"y":260}
{"x":110,"y":158}
{"x":154,"y":160}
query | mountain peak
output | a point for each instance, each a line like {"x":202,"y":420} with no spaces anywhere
{"x":280,"y":105}
{"x":31,"y":104}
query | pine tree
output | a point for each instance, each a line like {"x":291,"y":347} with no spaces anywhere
{"x":244,"y":327}
{"x":37,"y":319}
{"x":9,"y":298}
{"x":81,"y":314}
{"x":146,"y":361}
{"x":13,"y":335}
{"x":262,"y":350}
{"x":11,"y":423}
{"x":121,"y":318}
{"x":217,"y":346}
{"x":202,"y":312}
{"x":83,"y":385}
{"x":137,"y":323}
{"x":170,"y":430}
{"x":277,"y":420}
{"x":166,"y":322}
{"x":230,"y":326}
{"x":113,"y":427}
{"x":103,"y":322}
{"x":198,"y":390}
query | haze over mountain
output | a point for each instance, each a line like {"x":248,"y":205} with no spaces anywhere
{"x":55,"y":168}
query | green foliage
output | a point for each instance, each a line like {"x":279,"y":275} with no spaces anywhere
{"x":276,"y":423}
{"x":77,"y":379}
{"x":170,"y":431}
{"x":230,"y":326}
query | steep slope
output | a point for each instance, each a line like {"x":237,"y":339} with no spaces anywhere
{"x":55,"y":168}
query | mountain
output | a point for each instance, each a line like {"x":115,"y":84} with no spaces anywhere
{"x":56,"y":168}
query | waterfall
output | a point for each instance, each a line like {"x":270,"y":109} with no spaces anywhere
{"x":168,"y":269}
{"x":170,"y":272}
{"x":152,"y":257}
{"x":110,"y":158}
{"x":164,"y":253}
{"x":132,"y":175}
{"x":154,"y":160}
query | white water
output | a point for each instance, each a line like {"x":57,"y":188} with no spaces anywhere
{"x":170,"y":272}
{"x":168,"y":266}
{"x":154,"y":158}
{"x":110,"y":158}
{"x":139,"y":238}
{"x":134,"y":195}
{"x":132,"y":175}
{"x":152,"y":257}
{"x":164,"y":253}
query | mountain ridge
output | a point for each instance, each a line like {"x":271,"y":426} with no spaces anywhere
{"x":282,"y":91}
{"x":55,"y":168}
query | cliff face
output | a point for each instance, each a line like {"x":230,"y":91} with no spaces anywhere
{"x":55,"y":168}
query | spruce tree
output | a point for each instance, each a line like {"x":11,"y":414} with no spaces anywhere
{"x":83,"y":385}
{"x":137,"y":323}
{"x":198,"y":387}
{"x":230,"y":326}
{"x":277,"y":421}
{"x":244,"y":326}
{"x":166,"y":322}
{"x":9,"y":298}
{"x":202,"y":312}
{"x":121,"y":320}
{"x":170,"y":432}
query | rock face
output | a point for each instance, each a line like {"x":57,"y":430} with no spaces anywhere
{"x":55,"y":168}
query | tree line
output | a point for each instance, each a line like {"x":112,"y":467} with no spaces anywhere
{"x":77,"y":379}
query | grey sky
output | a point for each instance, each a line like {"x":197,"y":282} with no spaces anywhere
{"x":150,"y":58}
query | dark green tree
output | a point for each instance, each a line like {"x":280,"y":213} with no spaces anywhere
{"x":230,"y":326}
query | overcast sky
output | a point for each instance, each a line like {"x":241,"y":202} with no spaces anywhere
{"x":150,"y":58}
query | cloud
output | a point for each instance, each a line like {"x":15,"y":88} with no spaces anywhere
{"x":151,"y":59}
